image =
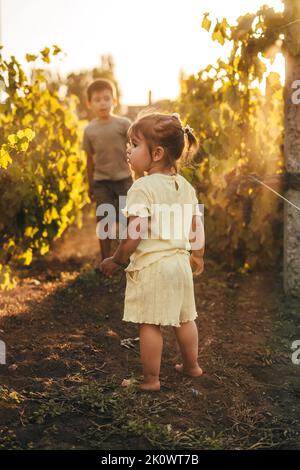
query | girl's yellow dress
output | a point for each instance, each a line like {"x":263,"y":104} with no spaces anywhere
{"x":159,"y":287}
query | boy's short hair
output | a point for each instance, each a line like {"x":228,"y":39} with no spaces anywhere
{"x":99,"y":85}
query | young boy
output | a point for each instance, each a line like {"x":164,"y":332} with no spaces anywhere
{"x":104,"y":142}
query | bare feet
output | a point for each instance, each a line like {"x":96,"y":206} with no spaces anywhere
{"x":196,"y":372}
{"x":145,"y":386}
{"x":150,"y":387}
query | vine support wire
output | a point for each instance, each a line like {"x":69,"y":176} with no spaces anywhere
{"x":273,"y":191}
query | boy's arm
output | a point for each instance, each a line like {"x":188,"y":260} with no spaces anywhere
{"x":89,"y":151}
{"x":90,"y":172}
{"x":197,"y":241}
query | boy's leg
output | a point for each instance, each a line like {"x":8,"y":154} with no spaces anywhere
{"x":104,"y":248}
{"x":151,"y":345}
{"x":187,"y":338}
{"x":103,"y":195}
{"x":120,"y":189}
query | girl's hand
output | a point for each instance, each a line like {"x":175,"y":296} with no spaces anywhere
{"x":108,"y":266}
{"x":197,"y":264}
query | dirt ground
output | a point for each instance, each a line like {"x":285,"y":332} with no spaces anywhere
{"x":60,"y":388}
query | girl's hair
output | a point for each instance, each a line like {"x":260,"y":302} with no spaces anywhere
{"x":165,"y":130}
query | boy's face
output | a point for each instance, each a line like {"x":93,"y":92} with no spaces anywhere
{"x":101,"y":103}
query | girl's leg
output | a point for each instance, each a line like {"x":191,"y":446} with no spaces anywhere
{"x":151,"y":344}
{"x":187,"y":338}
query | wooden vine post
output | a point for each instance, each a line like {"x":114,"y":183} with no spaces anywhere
{"x":292,"y":149}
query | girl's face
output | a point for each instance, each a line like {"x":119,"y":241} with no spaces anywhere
{"x":138,"y":155}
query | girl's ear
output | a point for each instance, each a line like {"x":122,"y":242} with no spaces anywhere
{"x":158,"y":154}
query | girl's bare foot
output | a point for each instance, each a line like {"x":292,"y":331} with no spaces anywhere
{"x":195,"y":372}
{"x":150,"y":386}
{"x":145,"y":386}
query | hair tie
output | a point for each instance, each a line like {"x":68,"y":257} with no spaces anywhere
{"x":187,"y":129}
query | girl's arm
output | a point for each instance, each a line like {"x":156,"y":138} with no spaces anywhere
{"x":136,"y":227}
{"x":128,"y":245}
{"x":197,"y":241}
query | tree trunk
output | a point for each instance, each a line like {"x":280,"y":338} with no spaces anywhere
{"x":292,"y":149}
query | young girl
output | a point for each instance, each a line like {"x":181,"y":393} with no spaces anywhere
{"x":159,"y":288}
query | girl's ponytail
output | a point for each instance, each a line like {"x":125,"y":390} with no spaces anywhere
{"x":192,"y":141}
{"x":192,"y":146}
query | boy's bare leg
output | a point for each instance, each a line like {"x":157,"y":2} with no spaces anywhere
{"x":105,"y":242}
{"x":187,"y":337}
{"x":104,"y":248}
{"x":151,"y":345}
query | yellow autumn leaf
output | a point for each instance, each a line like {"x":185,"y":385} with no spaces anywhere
{"x":30,"y":57}
{"x":41,"y":121}
{"x":206,"y":23}
{"x":24,"y":146}
{"x":53,"y":198}
{"x":27,"y":257}
{"x":5,"y":158}
{"x":12,"y":139}
{"x":29,"y":133}
{"x":50,"y":214}
{"x":218,"y":36}
{"x":20,"y":134}
{"x":30,"y":231}
{"x":10,"y":244}
{"x":55,"y":213}
{"x":44,"y":249}
{"x":14,"y":396}
{"x":61,"y":185}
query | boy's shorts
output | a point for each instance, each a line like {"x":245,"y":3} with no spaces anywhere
{"x":161,"y":293}
{"x":108,"y":192}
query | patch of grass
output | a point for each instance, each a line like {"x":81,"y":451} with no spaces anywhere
{"x":113,"y":413}
{"x":8,"y":439}
{"x":10,"y":396}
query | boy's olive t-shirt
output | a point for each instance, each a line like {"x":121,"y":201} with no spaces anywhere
{"x":106,"y":142}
